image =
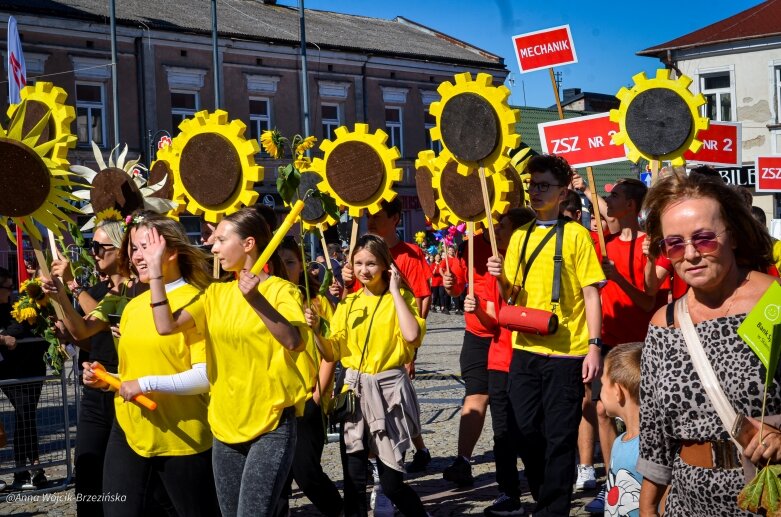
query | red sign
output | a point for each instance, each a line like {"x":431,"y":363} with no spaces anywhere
{"x":544,"y":49}
{"x":721,"y":145}
{"x":768,"y":170}
{"x":582,"y":141}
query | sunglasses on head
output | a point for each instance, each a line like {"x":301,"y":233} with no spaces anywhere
{"x":97,"y":248}
{"x":674,"y":248}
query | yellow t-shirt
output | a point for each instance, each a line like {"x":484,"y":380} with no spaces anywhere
{"x":308,"y":361}
{"x":178,"y":426}
{"x":253,"y":377}
{"x":386,"y":347}
{"x":777,"y":254}
{"x":580,"y":267}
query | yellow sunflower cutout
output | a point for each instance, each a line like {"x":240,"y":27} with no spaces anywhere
{"x":425,"y":170}
{"x":658,"y":118}
{"x":214,"y":165}
{"x":313,"y":216}
{"x":459,"y":196}
{"x":36,"y":188}
{"x":517,"y":175}
{"x":41,"y":98}
{"x":475,"y":124}
{"x":161,"y":170}
{"x":358,"y":169}
{"x":119,"y":185}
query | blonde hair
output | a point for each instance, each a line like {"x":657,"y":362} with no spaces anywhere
{"x":114,"y":230}
{"x":622,"y":366}
{"x":193,"y":262}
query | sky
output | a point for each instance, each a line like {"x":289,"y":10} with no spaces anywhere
{"x":606,"y":33}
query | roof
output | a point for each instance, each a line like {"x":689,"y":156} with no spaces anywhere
{"x":254,"y":20}
{"x":527,"y":127}
{"x":760,"y":21}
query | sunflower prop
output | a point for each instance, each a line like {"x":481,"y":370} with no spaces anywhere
{"x":425,"y":170}
{"x":120,"y":186}
{"x":517,"y":175}
{"x":358,"y":169}
{"x":658,"y":118}
{"x":36,"y":188}
{"x":34,"y":308}
{"x":43,"y":98}
{"x":214,"y":165}
{"x":161,"y":171}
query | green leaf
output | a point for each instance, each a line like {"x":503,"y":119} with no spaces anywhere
{"x":327,"y":281}
{"x":288,"y":180}
{"x":763,"y":492}
{"x":329,"y":204}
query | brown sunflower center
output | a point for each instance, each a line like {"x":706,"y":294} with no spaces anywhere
{"x":425,"y":191}
{"x":161,"y":170}
{"x":210,"y":169}
{"x":114,"y":188}
{"x":355,"y":172}
{"x":25,"y":178}
{"x":462,"y":194}
{"x":470,"y":127}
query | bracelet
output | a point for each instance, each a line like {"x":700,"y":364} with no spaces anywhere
{"x":158,"y":304}
{"x":156,"y":277}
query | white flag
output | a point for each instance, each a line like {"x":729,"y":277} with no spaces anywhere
{"x":17,"y":73}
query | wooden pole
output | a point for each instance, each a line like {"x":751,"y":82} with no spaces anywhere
{"x":353,"y":239}
{"x":471,"y":257}
{"x":556,"y":93}
{"x":215,"y":267}
{"x":488,"y":217}
{"x":41,"y":258}
{"x":654,"y":171}
{"x":597,"y":214}
{"x":325,"y":249}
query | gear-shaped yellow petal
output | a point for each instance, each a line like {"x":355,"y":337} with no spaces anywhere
{"x":215,"y":186}
{"x":475,"y":124}
{"x":358,"y":169}
{"x":660,"y":96}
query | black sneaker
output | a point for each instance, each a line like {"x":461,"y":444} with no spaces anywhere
{"x":446,"y":311}
{"x":39,"y":479}
{"x":459,"y":472}
{"x":419,"y":461}
{"x":21,"y":480}
{"x":505,"y":505}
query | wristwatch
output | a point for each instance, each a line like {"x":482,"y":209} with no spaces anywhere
{"x":596,"y":342}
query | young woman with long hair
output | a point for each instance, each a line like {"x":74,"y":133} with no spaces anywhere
{"x":252,"y":326}
{"x":170,"y":445}
{"x":375,"y":332}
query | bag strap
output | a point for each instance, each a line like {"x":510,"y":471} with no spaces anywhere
{"x":704,"y":369}
{"x":368,"y":332}
{"x":558,"y":231}
{"x":557,"y":261}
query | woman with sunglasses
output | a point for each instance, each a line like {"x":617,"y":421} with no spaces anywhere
{"x":253,"y":326}
{"x":706,"y":230}
{"x":98,"y":303}
{"x":375,"y":332}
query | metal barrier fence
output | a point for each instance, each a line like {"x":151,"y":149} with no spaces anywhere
{"x":37,"y":414}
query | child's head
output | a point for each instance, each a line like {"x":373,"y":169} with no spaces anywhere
{"x":371,"y":261}
{"x":621,"y":378}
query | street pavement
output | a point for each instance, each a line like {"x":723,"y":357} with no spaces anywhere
{"x":440,"y":393}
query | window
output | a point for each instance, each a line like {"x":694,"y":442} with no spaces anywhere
{"x":718,"y":96}
{"x":90,"y":114}
{"x":192,"y":226}
{"x":259,"y":118}
{"x":429,"y":121}
{"x":329,"y":113}
{"x":393,"y":121}
{"x":778,"y":95}
{"x":183,"y":105}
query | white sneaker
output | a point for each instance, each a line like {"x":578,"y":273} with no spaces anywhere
{"x":383,"y":507}
{"x":587,"y":479}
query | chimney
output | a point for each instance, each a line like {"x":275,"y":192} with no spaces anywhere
{"x":571,"y":92}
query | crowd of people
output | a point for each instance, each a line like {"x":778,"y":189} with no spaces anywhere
{"x":568,"y":344}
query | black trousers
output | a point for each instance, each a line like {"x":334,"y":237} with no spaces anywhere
{"x":546,"y":395}
{"x":356,"y":472}
{"x":505,"y":434}
{"x":96,"y":418}
{"x":307,"y":469}
{"x":188,"y":481}
{"x":24,"y":398}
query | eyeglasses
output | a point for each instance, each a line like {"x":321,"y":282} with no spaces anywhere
{"x":706,"y":242}
{"x":98,"y":248}
{"x":542,"y":187}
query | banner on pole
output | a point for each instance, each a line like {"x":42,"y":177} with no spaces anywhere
{"x":582,"y":141}
{"x":544,"y":49}
{"x":17,"y":72}
{"x":721,"y":145}
{"x":768,"y":171}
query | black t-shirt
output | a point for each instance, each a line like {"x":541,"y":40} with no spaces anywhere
{"x":102,"y":343}
{"x":26,"y":360}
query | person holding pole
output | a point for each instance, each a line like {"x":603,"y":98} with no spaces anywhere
{"x":547,"y":372}
{"x":173,"y":442}
{"x":252,"y":326}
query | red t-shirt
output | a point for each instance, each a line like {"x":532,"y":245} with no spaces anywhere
{"x":413,"y":265}
{"x":622,"y":320}
{"x":679,"y":287}
{"x":500,"y":353}
{"x":436,"y":277}
{"x":482,"y":276}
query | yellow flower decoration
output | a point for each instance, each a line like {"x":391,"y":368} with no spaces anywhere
{"x":42,"y":97}
{"x":302,"y":163}
{"x":658,"y":118}
{"x":269,"y":139}
{"x":109,"y":214}
{"x":475,"y":124}
{"x":306,"y":144}
{"x":36,"y":188}
{"x":214,"y":165}
{"x":358,"y":169}
{"x":160,"y":168}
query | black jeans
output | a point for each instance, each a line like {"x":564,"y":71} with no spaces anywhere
{"x":505,"y":434}
{"x":355,"y":467}
{"x":546,"y":394}
{"x":188,"y":480}
{"x":24,"y":398}
{"x":96,"y":418}
{"x":307,"y":469}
